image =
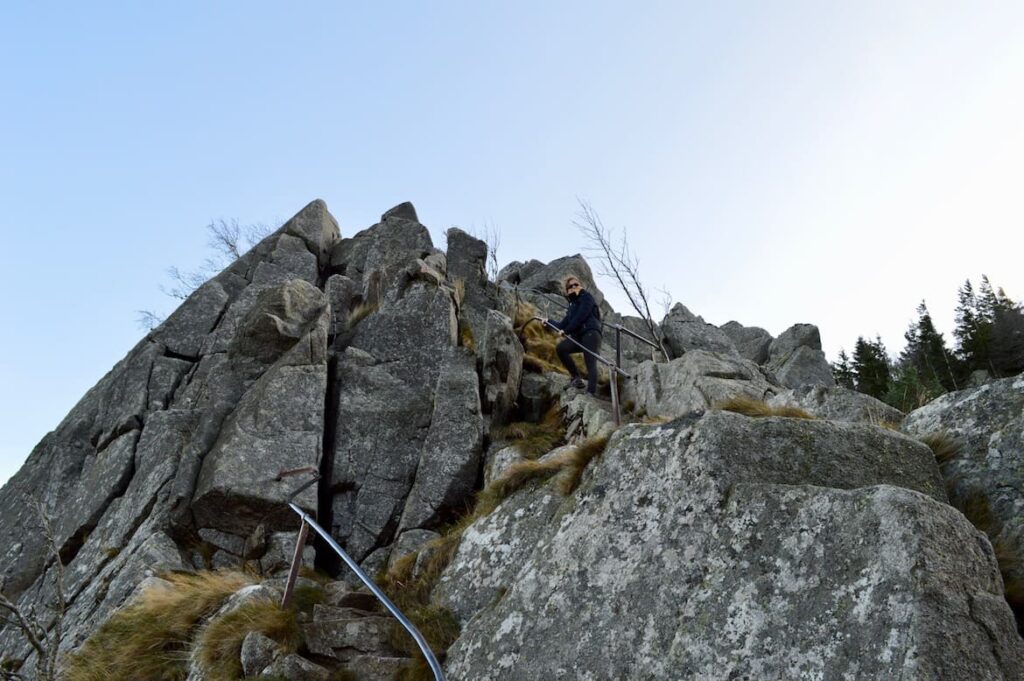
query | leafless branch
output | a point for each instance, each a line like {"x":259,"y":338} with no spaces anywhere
{"x":491,"y":236}
{"x":618,"y":262}
{"x":149,"y":320}
{"x":45,"y":643}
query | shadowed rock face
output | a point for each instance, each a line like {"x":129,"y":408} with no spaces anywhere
{"x":728,"y":547}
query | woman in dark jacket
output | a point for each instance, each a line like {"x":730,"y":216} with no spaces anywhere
{"x":582,"y":323}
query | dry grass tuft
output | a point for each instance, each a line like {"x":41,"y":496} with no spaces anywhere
{"x":359,"y":313}
{"x":944,"y":446}
{"x":150,"y":639}
{"x":466,"y":338}
{"x":539,"y":342}
{"x":577,"y":460}
{"x":220,"y":645}
{"x":459,"y":289}
{"x":757,"y":408}
{"x":533,"y":440}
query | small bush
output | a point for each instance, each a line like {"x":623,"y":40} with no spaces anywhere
{"x":757,"y":408}
{"x":150,"y":638}
{"x":944,"y":446}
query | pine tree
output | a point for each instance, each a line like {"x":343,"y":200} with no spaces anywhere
{"x":1007,"y":350}
{"x":968,"y":319}
{"x":926,"y":352}
{"x":871,"y":367}
{"x":843,"y":371}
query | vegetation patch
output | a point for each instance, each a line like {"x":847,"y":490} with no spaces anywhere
{"x":220,"y":644}
{"x":360,"y":312}
{"x":533,"y":440}
{"x":757,"y":408}
{"x":944,"y":446}
{"x":539,"y":342}
{"x":150,"y":638}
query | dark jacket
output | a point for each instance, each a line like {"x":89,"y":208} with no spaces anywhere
{"x":583,"y":315}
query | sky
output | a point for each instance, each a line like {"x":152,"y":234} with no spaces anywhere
{"x":771,"y":163}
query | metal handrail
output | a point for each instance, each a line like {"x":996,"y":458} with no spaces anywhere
{"x":307,"y":521}
{"x":611,"y":325}
{"x":613,"y":384}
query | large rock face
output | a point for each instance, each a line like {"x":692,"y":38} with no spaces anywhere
{"x":698,"y":380}
{"x":193,"y":420}
{"x":985,"y":477}
{"x":727,"y":547}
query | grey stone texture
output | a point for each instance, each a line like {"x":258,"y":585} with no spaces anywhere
{"x":796,"y":358}
{"x":751,"y":342}
{"x":684,"y":331}
{"x":837,"y":403}
{"x":118,"y":477}
{"x":698,"y":380}
{"x":729,"y":547}
{"x":985,"y":478}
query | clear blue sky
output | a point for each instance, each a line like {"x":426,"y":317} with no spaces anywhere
{"x":775,"y":163}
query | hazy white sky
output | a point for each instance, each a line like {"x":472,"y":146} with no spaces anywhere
{"x":774,"y":163}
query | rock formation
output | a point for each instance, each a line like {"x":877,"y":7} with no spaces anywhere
{"x":548,"y":543}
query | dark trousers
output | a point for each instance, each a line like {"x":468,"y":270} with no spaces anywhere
{"x":591,"y":340}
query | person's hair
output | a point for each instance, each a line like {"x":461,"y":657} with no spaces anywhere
{"x":571,"y":278}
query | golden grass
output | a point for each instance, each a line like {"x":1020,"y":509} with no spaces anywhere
{"x":944,"y":446}
{"x":539,"y":342}
{"x":149,"y":640}
{"x":533,"y":440}
{"x":360,"y":312}
{"x":459,"y":289}
{"x":220,"y":644}
{"x":757,"y":408}
{"x":577,"y":460}
{"x":466,"y":338}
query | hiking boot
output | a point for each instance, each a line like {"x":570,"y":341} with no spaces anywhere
{"x":578,"y":383}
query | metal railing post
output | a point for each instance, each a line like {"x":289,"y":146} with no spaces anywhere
{"x":424,"y":647}
{"x":293,"y":571}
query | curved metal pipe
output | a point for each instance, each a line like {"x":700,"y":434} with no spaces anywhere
{"x":435,"y":666}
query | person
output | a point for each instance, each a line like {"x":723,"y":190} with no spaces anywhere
{"x":582,"y":323}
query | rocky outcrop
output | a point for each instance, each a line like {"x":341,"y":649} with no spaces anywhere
{"x":718,"y":547}
{"x":837,"y":403}
{"x":751,"y":342}
{"x":685,"y":331}
{"x":696,"y":381}
{"x":983,"y":465}
{"x":199,"y":399}
{"x":711,"y":546}
{"x":796,"y":358}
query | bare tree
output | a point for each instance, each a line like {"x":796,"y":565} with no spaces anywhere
{"x":491,"y":236}
{"x":229,"y":240}
{"x":618,"y":262}
{"x":45,"y":642}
